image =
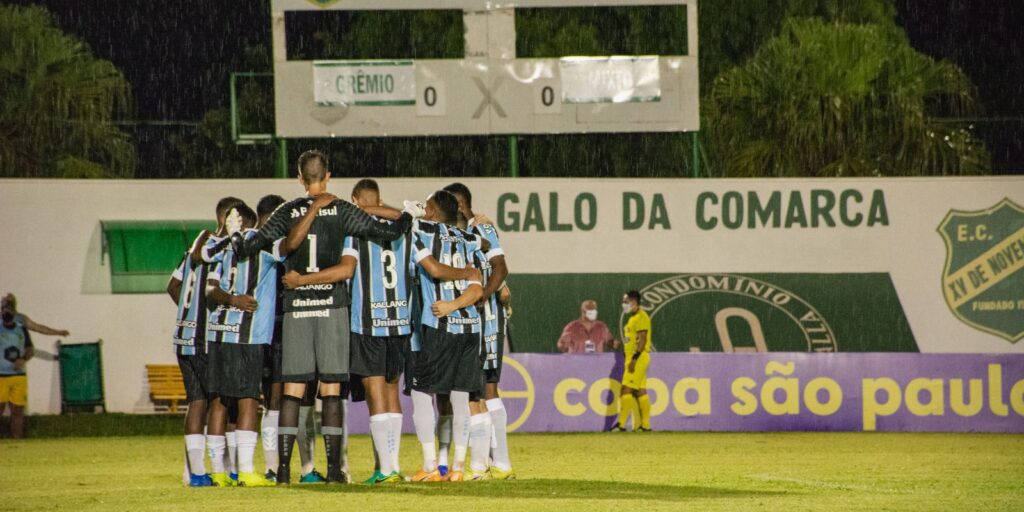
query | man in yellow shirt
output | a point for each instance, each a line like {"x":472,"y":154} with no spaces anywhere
{"x":637,"y":350}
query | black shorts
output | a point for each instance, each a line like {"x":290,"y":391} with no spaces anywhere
{"x":315,"y":346}
{"x":193,"y":373}
{"x":235,"y":370}
{"x":272,"y":363}
{"x":377,"y":356}
{"x":448,"y":362}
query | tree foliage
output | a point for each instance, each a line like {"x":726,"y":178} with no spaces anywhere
{"x":841,"y":99}
{"x":57,"y":103}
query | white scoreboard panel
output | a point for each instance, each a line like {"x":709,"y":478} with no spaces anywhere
{"x":488,"y":92}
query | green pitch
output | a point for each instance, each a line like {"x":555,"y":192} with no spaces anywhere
{"x":580,"y":472}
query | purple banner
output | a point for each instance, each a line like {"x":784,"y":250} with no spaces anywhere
{"x":887,"y":392}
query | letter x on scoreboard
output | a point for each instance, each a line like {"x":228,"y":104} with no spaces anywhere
{"x":489,"y":91}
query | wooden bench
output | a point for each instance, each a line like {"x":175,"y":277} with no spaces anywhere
{"x":166,"y":385}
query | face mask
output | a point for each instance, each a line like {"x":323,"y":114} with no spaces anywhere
{"x":591,"y":314}
{"x":627,"y":307}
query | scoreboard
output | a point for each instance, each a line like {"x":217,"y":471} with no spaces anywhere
{"x":490,"y":91}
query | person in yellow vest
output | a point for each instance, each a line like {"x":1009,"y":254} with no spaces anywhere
{"x":637,"y":350}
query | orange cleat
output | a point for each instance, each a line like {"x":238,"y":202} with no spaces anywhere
{"x":427,"y":476}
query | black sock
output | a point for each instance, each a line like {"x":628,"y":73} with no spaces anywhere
{"x":288,"y":422}
{"x":331,"y":426}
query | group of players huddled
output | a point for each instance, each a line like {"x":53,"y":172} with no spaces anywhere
{"x":343,"y":298}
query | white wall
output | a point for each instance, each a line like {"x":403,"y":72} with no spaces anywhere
{"x":51,"y":252}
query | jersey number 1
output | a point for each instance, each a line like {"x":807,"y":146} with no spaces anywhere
{"x":312,"y":255}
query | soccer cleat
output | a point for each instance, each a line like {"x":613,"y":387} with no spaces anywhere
{"x":644,"y":429}
{"x":270,"y":475}
{"x":427,"y":476}
{"x":455,"y":476}
{"x":500,"y":474}
{"x":394,"y":478}
{"x":200,"y":481}
{"x":443,"y":470}
{"x":618,"y":428}
{"x":222,"y":480}
{"x":234,"y":477}
{"x":376,"y":477}
{"x":481,"y":475}
{"x":313,"y":477}
{"x":283,"y":476}
{"x":337,"y":476}
{"x":253,"y":479}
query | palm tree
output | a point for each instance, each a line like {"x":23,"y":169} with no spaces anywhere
{"x":838,"y":99}
{"x":57,"y":102}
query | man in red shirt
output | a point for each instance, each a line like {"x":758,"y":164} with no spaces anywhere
{"x":586,"y":333}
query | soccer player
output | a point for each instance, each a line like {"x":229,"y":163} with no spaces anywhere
{"x":637,"y":349}
{"x":186,"y":290}
{"x":245,"y":291}
{"x":271,"y":360}
{"x":315,"y":328}
{"x":494,"y":328}
{"x":448,"y":361}
{"x":381,"y":323}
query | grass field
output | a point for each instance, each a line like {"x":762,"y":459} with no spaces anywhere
{"x":573,"y":472}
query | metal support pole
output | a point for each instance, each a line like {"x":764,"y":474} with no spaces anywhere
{"x":280,"y":157}
{"x":513,"y":156}
{"x":695,"y":142}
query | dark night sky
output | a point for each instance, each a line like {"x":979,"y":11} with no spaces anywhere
{"x":177,"y":53}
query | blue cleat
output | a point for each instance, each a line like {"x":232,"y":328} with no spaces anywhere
{"x":200,"y":481}
{"x":234,"y":477}
{"x":443,"y":470}
{"x":313,"y":477}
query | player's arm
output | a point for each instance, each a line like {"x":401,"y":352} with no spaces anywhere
{"x":499,"y":271}
{"x":174,"y":289}
{"x":384,"y":212}
{"x":298,"y":232}
{"x":442,"y":272}
{"x":197,"y":252}
{"x":42,"y":329}
{"x":473,"y":293}
{"x":335,"y":274}
{"x":356,"y":222}
{"x":276,"y":227}
{"x":641,"y":342}
{"x":215,"y":294}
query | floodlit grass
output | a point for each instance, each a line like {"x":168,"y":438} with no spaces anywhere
{"x":574,"y":472}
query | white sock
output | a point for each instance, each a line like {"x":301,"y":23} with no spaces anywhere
{"x":460,"y":427}
{"x":306,"y":442}
{"x":444,"y":438}
{"x":379,"y":426}
{"x":246,"y":450}
{"x":232,"y":451}
{"x":423,"y":420}
{"x":479,"y":441}
{"x":395,"y":432}
{"x":217,"y":445}
{"x":195,"y":447}
{"x":499,"y":420}
{"x":268,"y":430}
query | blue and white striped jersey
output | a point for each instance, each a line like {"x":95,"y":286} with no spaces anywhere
{"x":256,"y":276}
{"x":450,"y":247}
{"x":381,"y":286}
{"x":190,"y":322}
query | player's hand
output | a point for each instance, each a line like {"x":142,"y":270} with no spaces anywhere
{"x":414,"y":208}
{"x":323,"y":200}
{"x":63,"y":333}
{"x":292,"y":280}
{"x":475,"y":275}
{"x":233,"y":222}
{"x":482,"y":219}
{"x":442,"y":308}
{"x":632,"y":365}
{"x":244,"y":302}
{"x":505,"y":296}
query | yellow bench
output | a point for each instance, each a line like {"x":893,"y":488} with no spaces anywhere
{"x":165,"y":384}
